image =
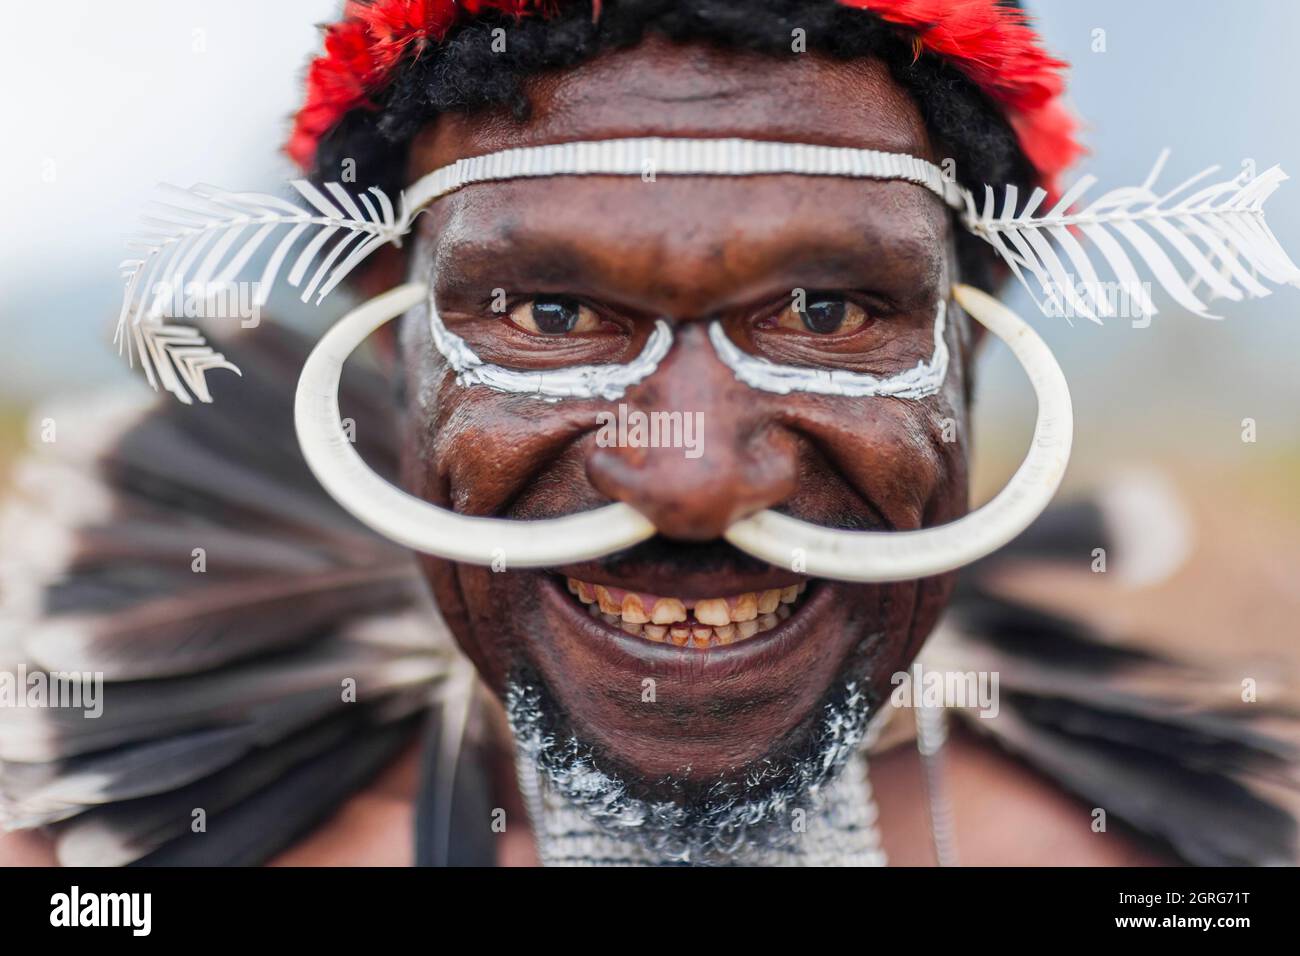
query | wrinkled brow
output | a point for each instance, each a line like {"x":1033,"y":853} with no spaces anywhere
{"x":578,"y":241}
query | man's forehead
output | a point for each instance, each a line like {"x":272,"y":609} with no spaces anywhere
{"x":692,"y":90}
{"x":689,"y":246}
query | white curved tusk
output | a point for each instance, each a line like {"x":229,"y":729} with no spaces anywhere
{"x":775,"y":538}
{"x":879,"y":556}
{"x":408,"y":520}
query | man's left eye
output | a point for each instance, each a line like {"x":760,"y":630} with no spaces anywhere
{"x":823,"y":315}
{"x":554,"y":315}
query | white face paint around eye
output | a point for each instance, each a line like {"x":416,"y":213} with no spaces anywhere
{"x":607,"y":382}
{"x":925,"y":379}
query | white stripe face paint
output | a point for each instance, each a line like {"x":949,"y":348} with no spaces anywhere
{"x":610,"y":382}
{"x":922,"y":381}
{"x":684,"y":157}
{"x":607,"y":382}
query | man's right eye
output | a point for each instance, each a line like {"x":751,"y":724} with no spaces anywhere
{"x":824,"y":315}
{"x":554,"y":315}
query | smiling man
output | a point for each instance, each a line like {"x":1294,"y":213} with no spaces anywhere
{"x":762,"y":679}
{"x":747,"y":661}
{"x":691,"y":688}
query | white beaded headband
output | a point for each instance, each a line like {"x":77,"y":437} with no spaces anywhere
{"x":648,"y":157}
{"x":1217,"y":231}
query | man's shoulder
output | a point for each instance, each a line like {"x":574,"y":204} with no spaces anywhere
{"x":26,"y":848}
{"x":1005,"y":813}
{"x":374,"y":827}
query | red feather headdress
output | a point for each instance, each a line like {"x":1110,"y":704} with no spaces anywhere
{"x":990,"y":43}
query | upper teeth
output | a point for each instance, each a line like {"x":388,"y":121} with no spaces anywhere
{"x":699,"y":623}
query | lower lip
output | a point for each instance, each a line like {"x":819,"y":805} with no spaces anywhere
{"x":789,"y":633}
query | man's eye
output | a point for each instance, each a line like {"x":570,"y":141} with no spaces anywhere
{"x":554,"y":316}
{"x":823,"y":315}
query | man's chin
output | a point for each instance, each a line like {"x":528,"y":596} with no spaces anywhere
{"x":698,"y":713}
{"x":688,"y":812}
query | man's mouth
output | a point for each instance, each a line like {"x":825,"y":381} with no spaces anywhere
{"x":688,"y":621}
{"x":738,"y":652}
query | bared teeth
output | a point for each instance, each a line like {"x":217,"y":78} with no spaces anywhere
{"x":633,"y":610}
{"x":709,"y":622}
{"x":607,"y":603}
{"x":668,"y":611}
{"x":713,"y":612}
{"x":746,"y":608}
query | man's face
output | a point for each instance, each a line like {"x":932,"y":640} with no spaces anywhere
{"x":585,"y":265}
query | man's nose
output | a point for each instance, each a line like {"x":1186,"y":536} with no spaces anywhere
{"x":695,"y":449}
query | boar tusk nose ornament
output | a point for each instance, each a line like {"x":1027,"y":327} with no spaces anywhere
{"x":402,"y":517}
{"x":1228,"y":217}
{"x":879,"y":556}
{"x":783,"y":541}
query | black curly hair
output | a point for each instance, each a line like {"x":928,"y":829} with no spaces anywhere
{"x":463,"y":74}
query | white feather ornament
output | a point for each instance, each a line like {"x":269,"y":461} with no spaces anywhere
{"x":1218,"y":232}
{"x":206,"y":237}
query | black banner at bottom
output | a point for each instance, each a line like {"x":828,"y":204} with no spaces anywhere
{"x":337,"y":905}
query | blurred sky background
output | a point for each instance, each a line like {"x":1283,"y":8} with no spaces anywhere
{"x":145,"y":91}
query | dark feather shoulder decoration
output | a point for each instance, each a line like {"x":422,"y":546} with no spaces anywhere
{"x":262,"y":654}
{"x":229,"y":690}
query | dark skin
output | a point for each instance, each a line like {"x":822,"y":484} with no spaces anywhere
{"x":690,"y":250}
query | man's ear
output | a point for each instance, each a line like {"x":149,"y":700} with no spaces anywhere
{"x":994,"y":277}
{"x":385,"y":269}
{"x":1000,"y":275}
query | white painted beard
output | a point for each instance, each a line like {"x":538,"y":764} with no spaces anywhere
{"x":803,"y":809}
